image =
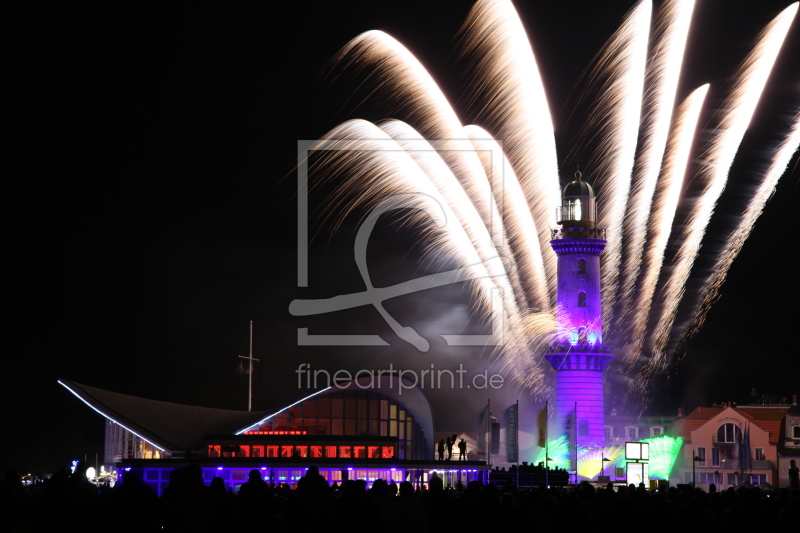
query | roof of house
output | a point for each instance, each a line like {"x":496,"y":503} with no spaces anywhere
{"x":169,"y":426}
{"x":767,"y":418}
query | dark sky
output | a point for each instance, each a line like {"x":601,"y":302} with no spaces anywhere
{"x":152,"y":212}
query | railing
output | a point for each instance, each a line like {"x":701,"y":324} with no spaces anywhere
{"x":581,"y":232}
{"x":580,"y":347}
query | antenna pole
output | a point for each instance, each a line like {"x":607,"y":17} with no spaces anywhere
{"x":250,"y":372}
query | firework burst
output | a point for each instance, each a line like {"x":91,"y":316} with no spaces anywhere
{"x":503,"y":207}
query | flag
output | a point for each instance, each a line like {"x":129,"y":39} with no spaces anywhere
{"x":542,"y":427}
{"x":483,"y":427}
{"x":746,"y":449}
{"x":495,"y":447}
{"x":572,"y":437}
{"x":512,"y":433}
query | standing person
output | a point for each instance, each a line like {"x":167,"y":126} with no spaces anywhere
{"x":449,"y":445}
{"x":441,"y":450}
{"x":462,"y":450}
{"x":794,"y":475}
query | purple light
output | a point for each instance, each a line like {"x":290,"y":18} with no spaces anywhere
{"x":219,"y":468}
{"x":592,"y":338}
{"x":573,"y":337}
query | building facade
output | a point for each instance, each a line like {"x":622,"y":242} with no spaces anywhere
{"x":731,"y":446}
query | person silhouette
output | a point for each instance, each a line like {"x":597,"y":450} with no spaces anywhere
{"x":441,"y":450}
{"x":449,"y":445}
{"x":462,"y":450}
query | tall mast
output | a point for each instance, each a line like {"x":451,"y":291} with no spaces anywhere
{"x":250,"y":372}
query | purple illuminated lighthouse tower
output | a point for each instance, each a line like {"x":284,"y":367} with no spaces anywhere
{"x":578,"y":353}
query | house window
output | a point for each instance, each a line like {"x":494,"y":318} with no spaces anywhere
{"x":758,"y":479}
{"x":729,"y":433}
{"x":581,"y":299}
{"x":714,"y":456}
{"x":701,"y":454}
{"x":609,"y":430}
{"x":760,"y":454}
{"x":706,"y":478}
{"x":581,"y":266}
{"x":632,"y":433}
{"x":656,"y":431}
{"x":796,"y":432}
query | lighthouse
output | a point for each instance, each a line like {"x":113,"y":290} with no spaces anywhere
{"x":578,"y":352}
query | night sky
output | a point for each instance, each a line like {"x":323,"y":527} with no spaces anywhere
{"x":152,"y":208}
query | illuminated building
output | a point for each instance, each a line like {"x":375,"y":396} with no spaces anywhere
{"x":789,"y":447}
{"x":348,"y":432}
{"x":732,"y":445}
{"x":578,"y":353}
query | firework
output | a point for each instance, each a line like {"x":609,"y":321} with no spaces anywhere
{"x":503,"y":207}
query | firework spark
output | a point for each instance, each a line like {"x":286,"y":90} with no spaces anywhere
{"x":664,"y":66}
{"x":733,"y":246}
{"x":666,"y":202}
{"x":447,"y":161}
{"x":734,"y":118}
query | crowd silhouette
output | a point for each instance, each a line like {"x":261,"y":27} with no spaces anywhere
{"x":68,"y":501}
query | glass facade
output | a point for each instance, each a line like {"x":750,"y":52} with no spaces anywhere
{"x":353,"y":413}
{"x":122,"y":444}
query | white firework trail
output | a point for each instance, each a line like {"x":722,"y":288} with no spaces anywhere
{"x":615,"y":119}
{"x":429,"y":160}
{"x":755,"y":207}
{"x":377,"y":167}
{"x":507,"y":92}
{"x":520,"y":228}
{"x":539,"y":320}
{"x":735,"y":116}
{"x":665,"y":203}
{"x":397,"y":74}
{"x":663,"y":72}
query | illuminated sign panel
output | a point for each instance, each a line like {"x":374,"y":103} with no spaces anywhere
{"x":637,"y":451}
{"x":637,"y":473}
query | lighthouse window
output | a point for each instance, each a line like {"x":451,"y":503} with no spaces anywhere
{"x":581,"y":266}
{"x":581,"y":299}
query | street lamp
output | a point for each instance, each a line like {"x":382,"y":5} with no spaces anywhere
{"x":605,"y":460}
{"x":694,"y":461}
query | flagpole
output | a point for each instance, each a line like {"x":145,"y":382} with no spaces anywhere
{"x":489,"y":431}
{"x":575,"y":440}
{"x":546,"y":447}
{"x":517,"y":443}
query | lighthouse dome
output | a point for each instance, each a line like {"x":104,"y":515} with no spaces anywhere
{"x":578,"y":187}
{"x":577,"y":204}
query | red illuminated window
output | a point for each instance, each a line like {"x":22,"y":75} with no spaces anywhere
{"x":244,"y":451}
{"x":258,"y":451}
{"x":316,"y":451}
{"x":330,"y":451}
{"x":286,"y":451}
{"x":301,"y":451}
{"x":344,"y":452}
{"x":272,"y":451}
{"x":213,"y":451}
{"x":359,"y":452}
{"x":374,"y":452}
{"x":387,"y":452}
